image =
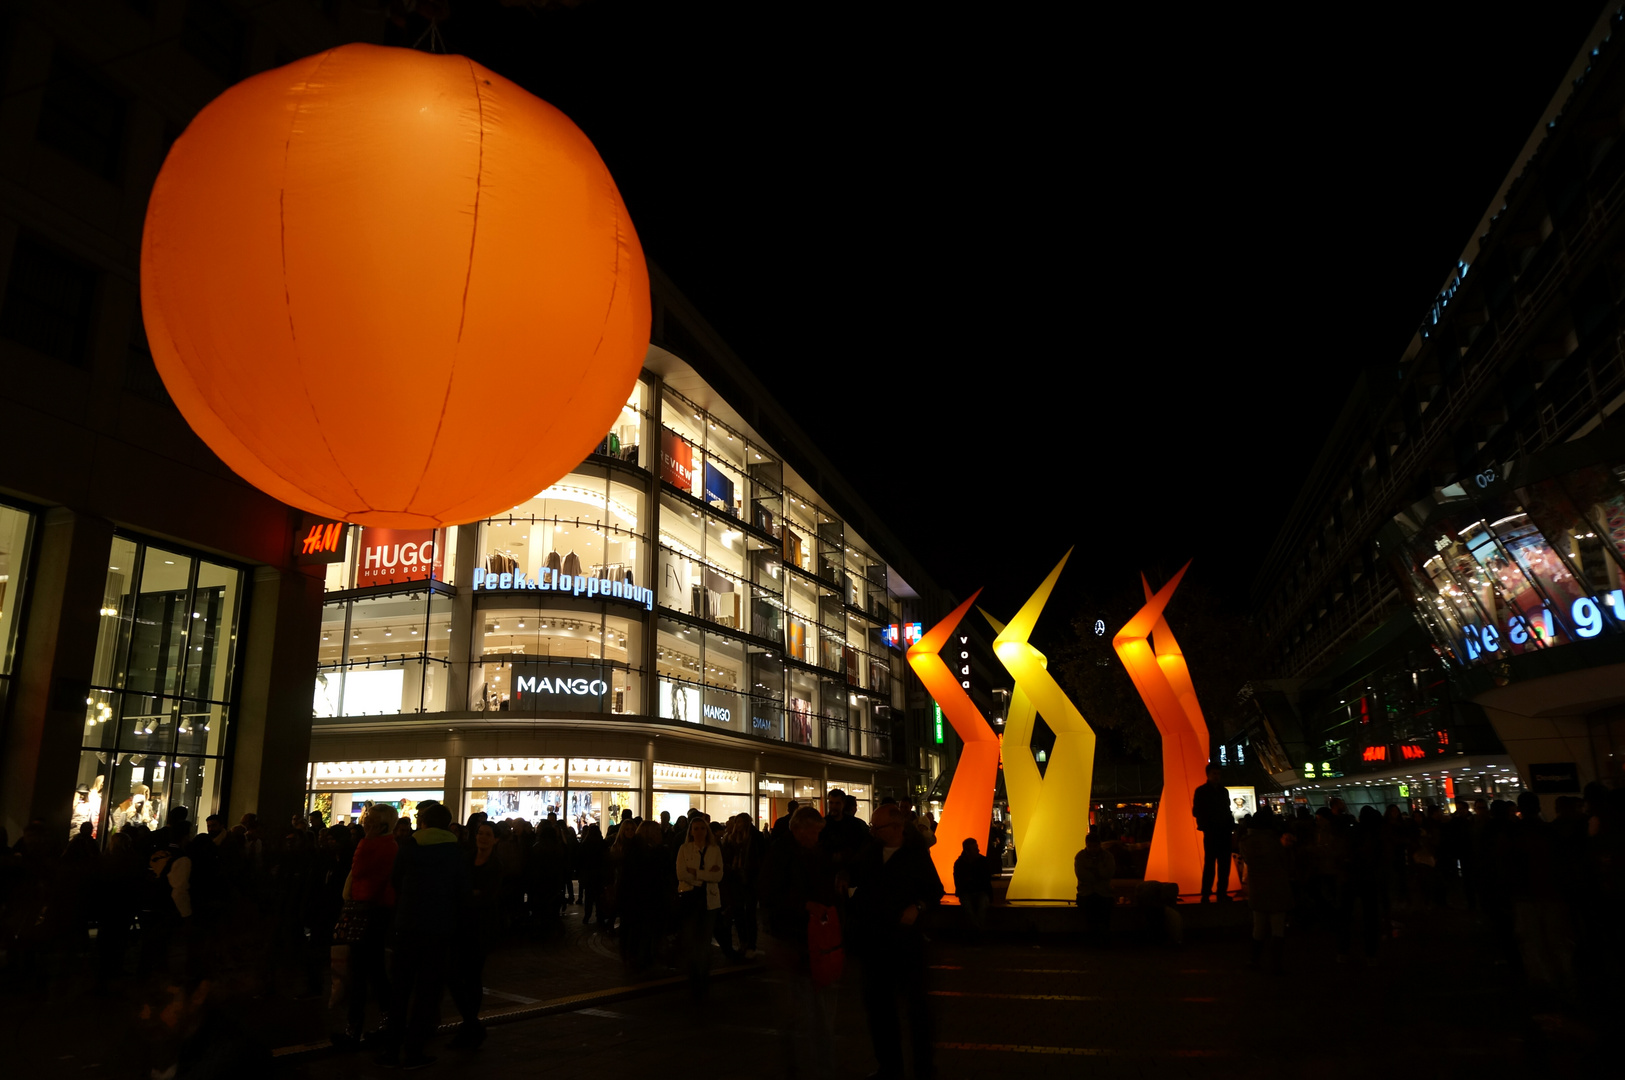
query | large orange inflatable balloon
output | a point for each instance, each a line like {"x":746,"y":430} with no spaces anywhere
{"x":392,"y":287}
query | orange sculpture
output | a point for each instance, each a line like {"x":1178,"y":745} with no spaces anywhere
{"x":968,"y":810}
{"x":392,"y":288}
{"x":1157,"y":665}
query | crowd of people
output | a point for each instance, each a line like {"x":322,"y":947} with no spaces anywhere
{"x":387,"y":915}
{"x":1549,"y":891}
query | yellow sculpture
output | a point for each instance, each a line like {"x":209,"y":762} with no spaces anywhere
{"x":1052,"y":815}
{"x":968,"y":809}
{"x":1021,"y":776}
{"x":1157,"y":666}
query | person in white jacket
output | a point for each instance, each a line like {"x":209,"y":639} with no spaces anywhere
{"x":699,"y":895}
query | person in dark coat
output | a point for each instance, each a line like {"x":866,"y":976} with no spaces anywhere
{"x":431,"y":908}
{"x":781,"y":827}
{"x":892,"y":881}
{"x":842,"y":836}
{"x":1210,"y":805}
{"x":591,"y":863}
{"x":796,"y":878}
{"x":973,"y":882}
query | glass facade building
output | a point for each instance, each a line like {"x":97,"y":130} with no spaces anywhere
{"x":679,"y":617}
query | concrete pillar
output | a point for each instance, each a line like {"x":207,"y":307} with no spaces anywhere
{"x":454,"y":797}
{"x":648,"y":781}
{"x":278,"y":644}
{"x":755,"y":792}
{"x":51,"y":675}
{"x":465,"y":636}
{"x":1543,"y":740}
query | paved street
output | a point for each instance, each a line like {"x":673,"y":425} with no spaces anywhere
{"x":1435,"y":1003}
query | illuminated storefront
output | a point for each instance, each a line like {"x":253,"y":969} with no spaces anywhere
{"x":682,"y":584}
{"x":1518,"y":574}
{"x":342,"y":790}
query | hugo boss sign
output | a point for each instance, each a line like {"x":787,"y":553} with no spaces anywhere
{"x":389,"y":556}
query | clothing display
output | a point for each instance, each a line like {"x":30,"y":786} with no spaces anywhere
{"x":572,"y":565}
{"x":613,"y":571}
{"x":801,"y":721}
{"x":879,"y":676}
{"x":675,"y":581}
{"x":763,"y":518}
{"x":500,"y":564}
{"x":798,"y":640}
{"x":792,"y":547}
{"x":767,"y":621}
{"x":553,"y":562}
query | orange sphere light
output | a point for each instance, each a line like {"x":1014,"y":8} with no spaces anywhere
{"x":392,"y":288}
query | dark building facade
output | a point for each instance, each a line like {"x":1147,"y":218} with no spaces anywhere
{"x":169,"y":636}
{"x":1441,"y":608}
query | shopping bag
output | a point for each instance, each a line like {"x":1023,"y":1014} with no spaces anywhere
{"x":825,"y":954}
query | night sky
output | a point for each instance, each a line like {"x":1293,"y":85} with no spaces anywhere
{"x":1035,"y":281}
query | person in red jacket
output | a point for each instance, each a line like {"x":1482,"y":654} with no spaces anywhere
{"x":370,"y":883}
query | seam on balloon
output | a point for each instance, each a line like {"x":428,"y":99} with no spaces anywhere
{"x":615,"y":280}
{"x":462,"y":315}
{"x":474,"y":233}
{"x":287,"y":298}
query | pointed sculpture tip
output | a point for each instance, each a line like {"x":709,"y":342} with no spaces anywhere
{"x":998,"y":627}
{"x":937,"y":636}
{"x":1020,"y":627}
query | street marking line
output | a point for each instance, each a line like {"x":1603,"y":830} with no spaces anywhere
{"x":568,"y":1003}
{"x":1075,"y":1051}
{"x":1012,"y":997}
{"x":521,"y":999}
{"x":1050,"y":997}
{"x":602,"y":1012}
{"x":1019,"y":971}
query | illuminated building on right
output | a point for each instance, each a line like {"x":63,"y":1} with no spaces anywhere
{"x":1442,"y":609}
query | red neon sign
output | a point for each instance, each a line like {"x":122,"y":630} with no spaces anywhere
{"x":323,"y":538}
{"x":1374,"y":753}
{"x":1411,"y":753}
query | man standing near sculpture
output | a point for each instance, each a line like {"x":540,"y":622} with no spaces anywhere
{"x":892,"y":881}
{"x":1211,"y":808}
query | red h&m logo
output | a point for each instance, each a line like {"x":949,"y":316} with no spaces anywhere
{"x":323,"y":538}
{"x":1374,"y":753}
{"x":318,"y":540}
{"x":1411,"y":753}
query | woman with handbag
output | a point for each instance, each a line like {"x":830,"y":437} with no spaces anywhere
{"x":699,"y":873}
{"x":369,"y":907}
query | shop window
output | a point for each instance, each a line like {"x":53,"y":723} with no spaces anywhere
{"x":580,"y":791}
{"x":49,"y":302}
{"x":725,"y":671}
{"x":146,"y":787}
{"x":343,"y":790}
{"x":800,"y":709}
{"x":585,"y":526}
{"x":15,"y":528}
{"x":629,"y":435}
{"x":159,"y":706}
{"x":82,"y":118}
